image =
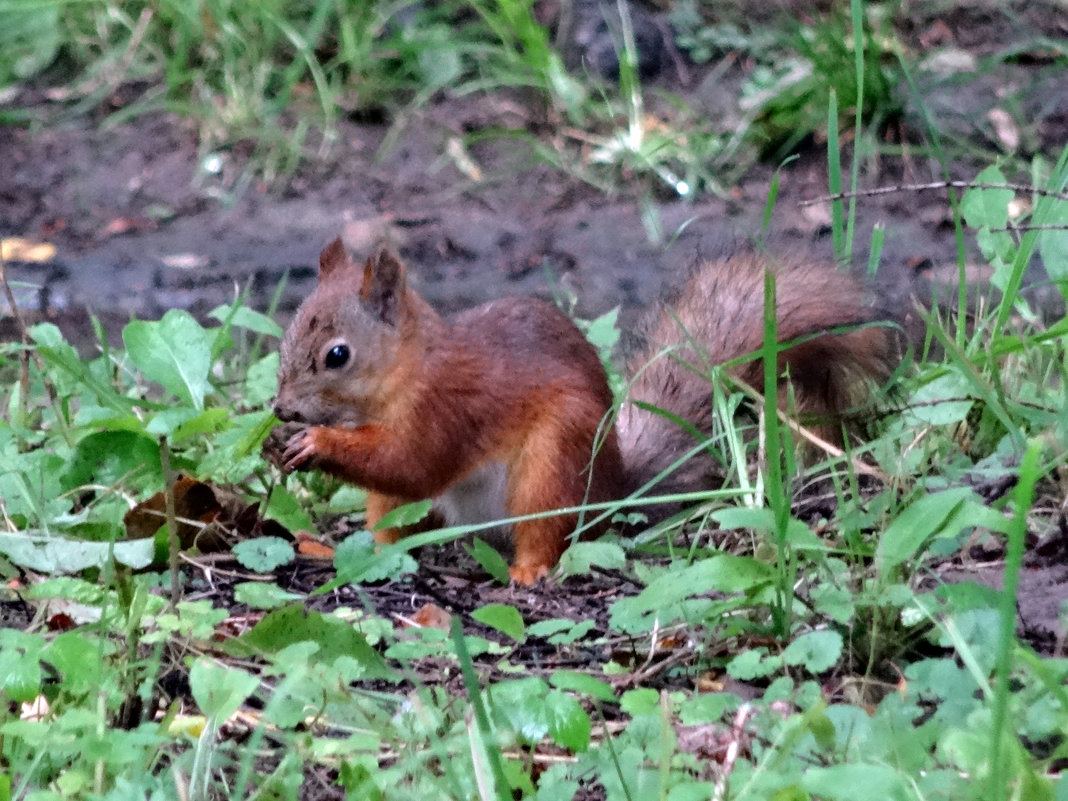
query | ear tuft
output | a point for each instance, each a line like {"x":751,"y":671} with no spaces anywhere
{"x":383,"y":285}
{"x":333,"y":259}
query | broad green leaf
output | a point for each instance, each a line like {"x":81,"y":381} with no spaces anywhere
{"x":264,"y":554}
{"x":244,"y":317}
{"x":502,"y":617}
{"x":561,"y":631}
{"x":72,"y":375}
{"x":640,"y":701}
{"x":720,"y":572}
{"x":533,"y":711}
{"x":52,"y":554}
{"x":293,"y":624}
{"x":358,"y":559}
{"x":263,"y":595}
{"x":520,"y":704}
{"x":943,"y":401}
{"x":237,"y":449}
{"x":1053,"y":243}
{"x":79,"y":661}
{"x":987,"y":208}
{"x":708,"y":708}
{"x":174,"y":351}
{"x":603,"y":332}
{"x":220,"y":689}
{"x":580,"y":557}
{"x":755,"y":663}
{"x":30,"y":38}
{"x":184,"y":424}
{"x":857,"y":782}
{"x":490,"y":559}
{"x":569,"y":725}
{"x":261,"y":380}
{"x":20,"y":665}
{"x":815,"y":651}
{"x":115,"y":458}
{"x":923,"y":518}
{"x":583,"y":683}
{"x":284,"y":507}
{"x":763,"y":520}
{"x":406,"y":515}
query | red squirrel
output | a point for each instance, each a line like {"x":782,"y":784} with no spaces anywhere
{"x":500,"y":411}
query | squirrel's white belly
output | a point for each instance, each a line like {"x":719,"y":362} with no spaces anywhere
{"x":478,"y":498}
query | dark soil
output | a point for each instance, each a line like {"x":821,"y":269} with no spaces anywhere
{"x":141,"y":227}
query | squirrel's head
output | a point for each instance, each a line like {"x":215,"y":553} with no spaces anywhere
{"x":340,"y":350}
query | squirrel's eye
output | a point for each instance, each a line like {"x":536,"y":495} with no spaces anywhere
{"x":336,"y":357}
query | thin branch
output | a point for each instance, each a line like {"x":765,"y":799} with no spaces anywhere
{"x":887,"y":190}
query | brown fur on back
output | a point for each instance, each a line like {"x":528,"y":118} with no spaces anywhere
{"x":716,"y":317}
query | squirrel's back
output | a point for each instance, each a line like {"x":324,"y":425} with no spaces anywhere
{"x":717,"y":316}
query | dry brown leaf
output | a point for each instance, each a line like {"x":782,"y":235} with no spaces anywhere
{"x":15,"y":248}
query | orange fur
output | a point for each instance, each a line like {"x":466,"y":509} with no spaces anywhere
{"x":496,"y":411}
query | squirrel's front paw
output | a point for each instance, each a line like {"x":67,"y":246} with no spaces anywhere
{"x":301,"y":452}
{"x":274,"y":447}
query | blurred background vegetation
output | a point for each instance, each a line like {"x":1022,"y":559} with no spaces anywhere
{"x":611,"y":85}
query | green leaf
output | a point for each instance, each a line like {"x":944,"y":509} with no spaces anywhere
{"x":293,"y":624}
{"x":237,"y":449}
{"x":183,"y":424}
{"x":640,"y":702}
{"x":1053,"y":243}
{"x":30,"y":38}
{"x":263,"y":595}
{"x":20,"y":665}
{"x":569,"y":725}
{"x":943,"y":401}
{"x":561,"y":631}
{"x":580,"y":557}
{"x":264,"y":554}
{"x":763,"y":520}
{"x":520,"y":706}
{"x":261,"y":379}
{"x":283,"y":506}
{"x":174,"y":351}
{"x":987,"y":208}
{"x":753,"y":664}
{"x":815,"y":651}
{"x":505,"y":619}
{"x":916,"y":525}
{"x":52,"y":554}
{"x":665,"y":595}
{"x":220,"y":689}
{"x":244,"y":317}
{"x":583,"y":683}
{"x":603,"y":332}
{"x":359,"y":559}
{"x":115,"y":458}
{"x":708,"y":708}
{"x":79,"y":660}
{"x":407,"y":515}
{"x":490,"y":559}
{"x":857,"y":782}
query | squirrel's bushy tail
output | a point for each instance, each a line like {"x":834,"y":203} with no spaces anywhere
{"x":717,"y":316}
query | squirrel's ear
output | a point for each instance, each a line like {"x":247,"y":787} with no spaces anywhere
{"x":333,"y":259}
{"x":383,"y":285}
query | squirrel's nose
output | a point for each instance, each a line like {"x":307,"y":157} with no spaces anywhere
{"x":283,"y":413}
